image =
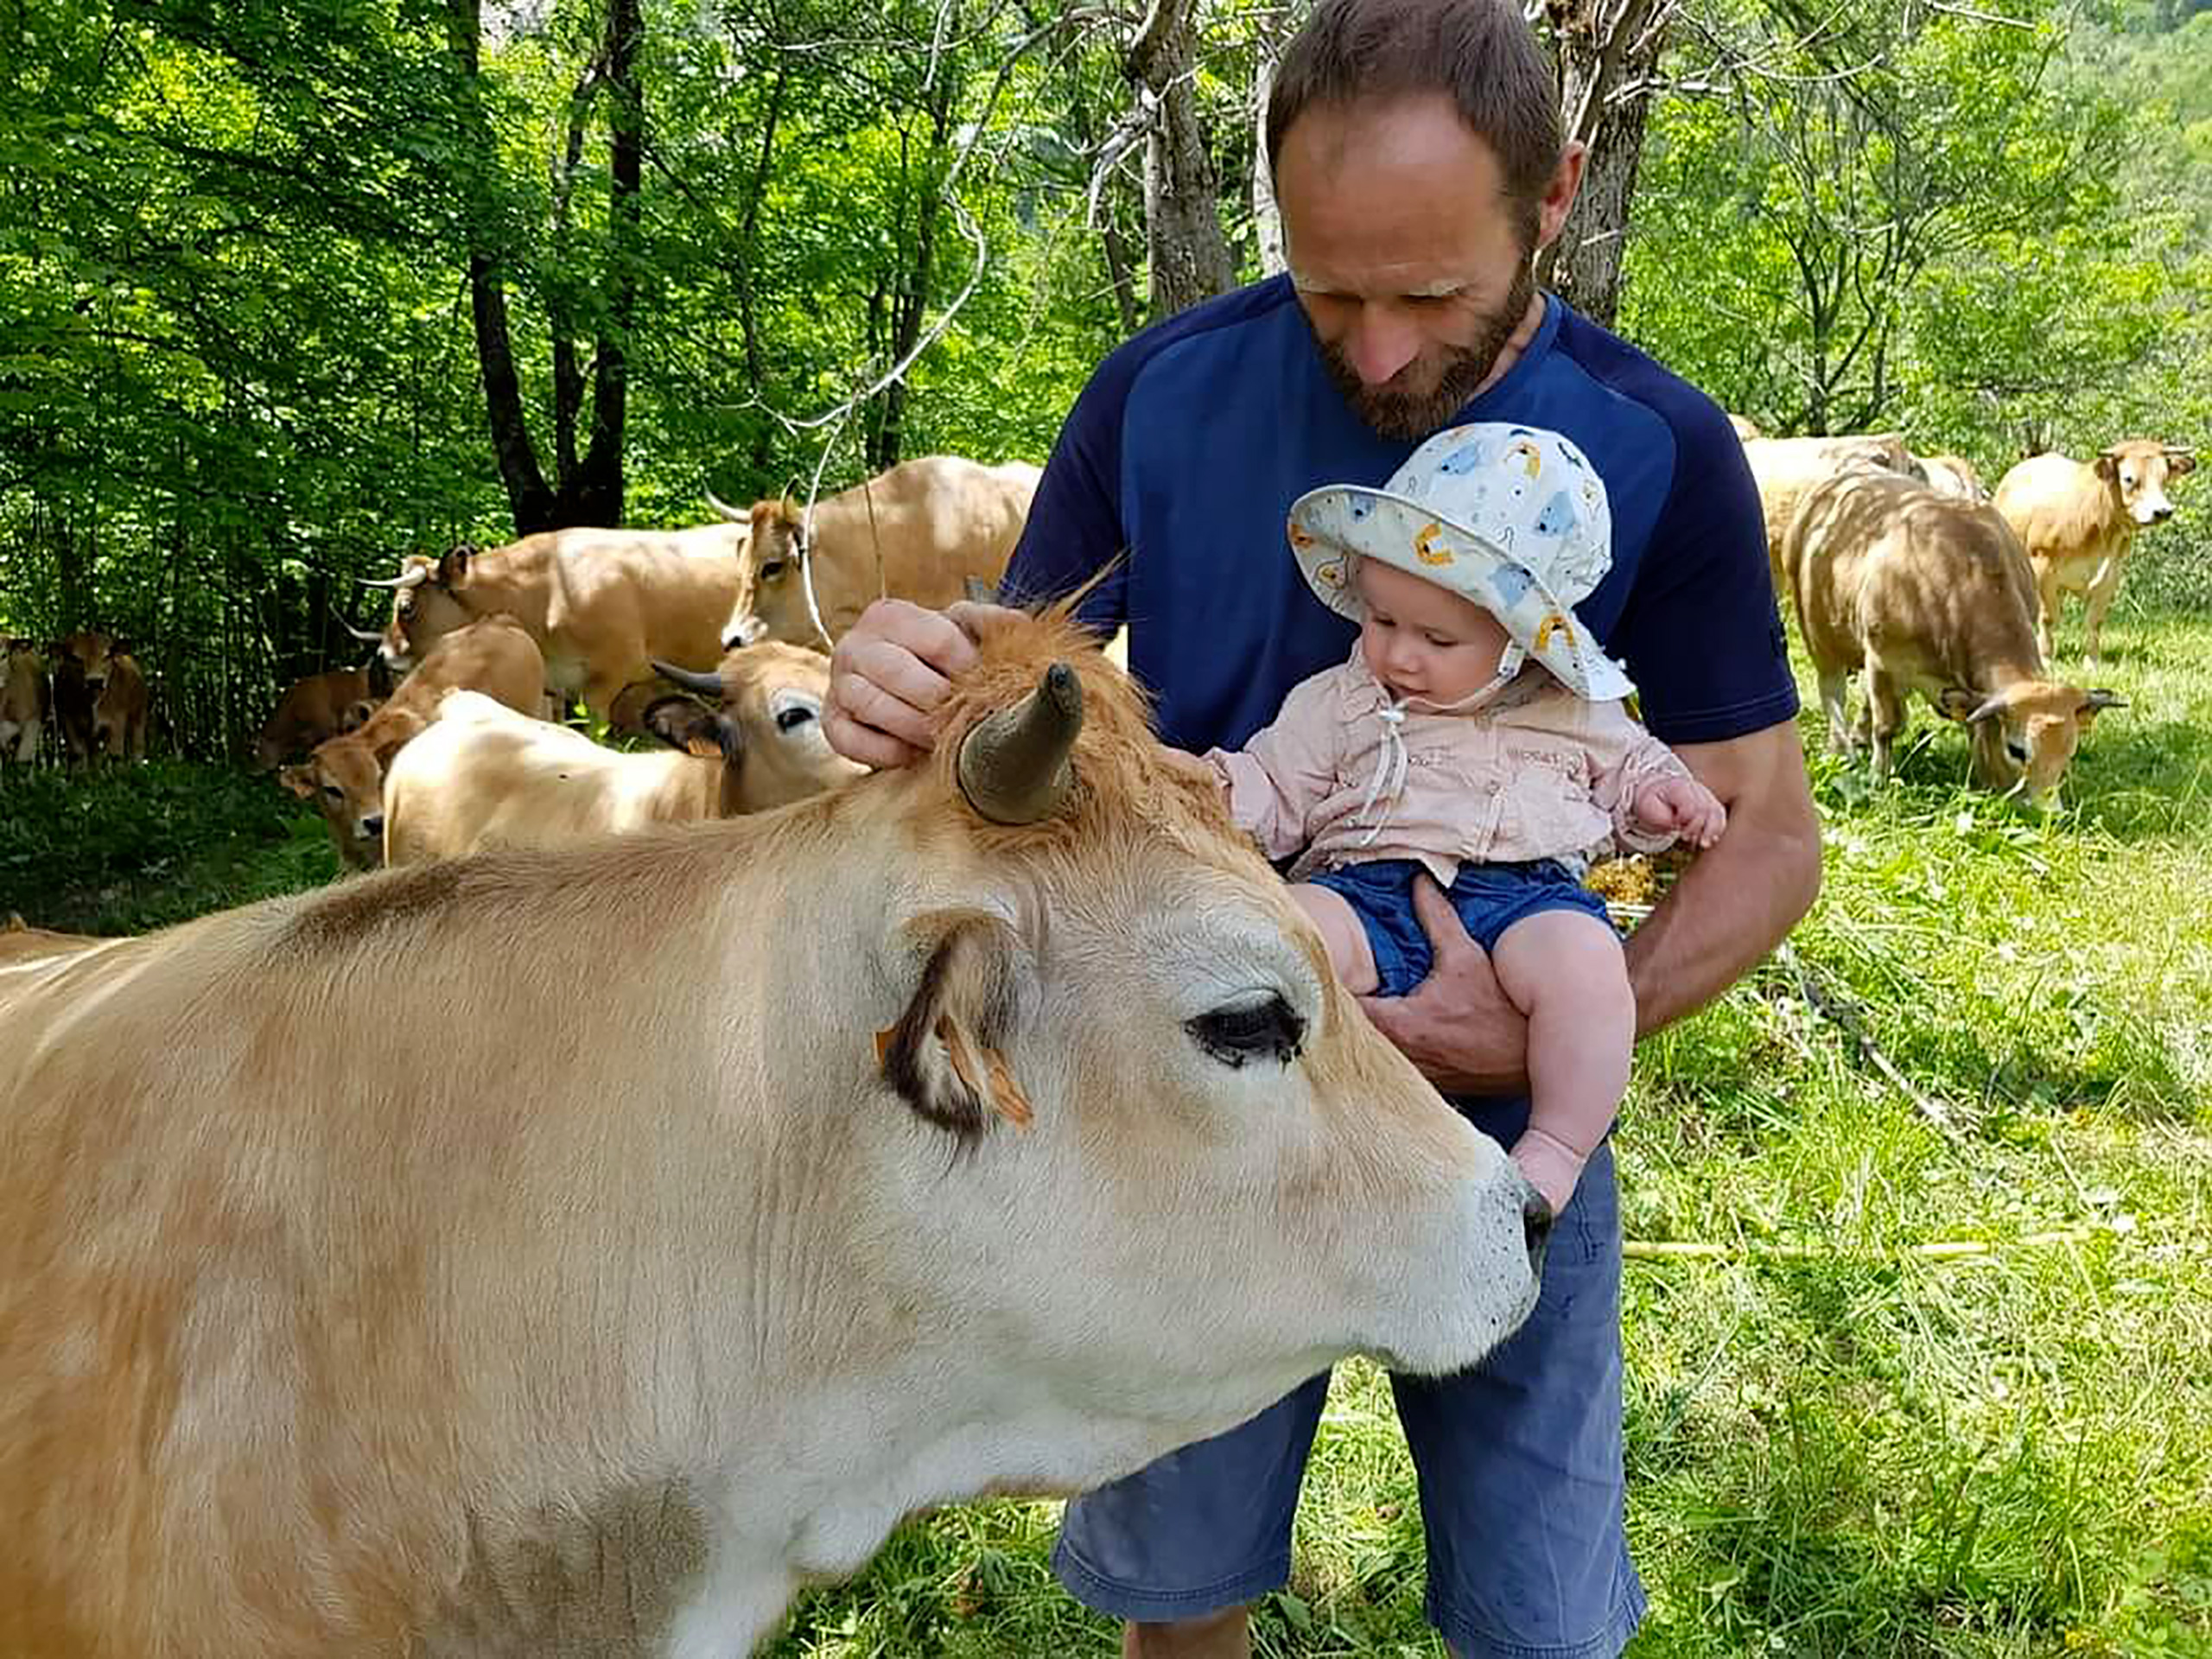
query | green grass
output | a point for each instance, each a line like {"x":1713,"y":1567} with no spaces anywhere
{"x":1839,"y":1444}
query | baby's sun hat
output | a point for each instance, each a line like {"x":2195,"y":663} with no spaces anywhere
{"x":1511,"y":517}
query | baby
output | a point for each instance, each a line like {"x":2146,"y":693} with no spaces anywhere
{"x":1477,"y":732}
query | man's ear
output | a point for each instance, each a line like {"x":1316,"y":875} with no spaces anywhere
{"x":946,"y":1056}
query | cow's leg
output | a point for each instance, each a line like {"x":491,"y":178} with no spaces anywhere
{"x":739,"y":1599}
{"x":1884,"y":713}
{"x":2104,"y":588}
{"x":2047,"y":597}
{"x":1835,"y":690}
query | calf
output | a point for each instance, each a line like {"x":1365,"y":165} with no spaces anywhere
{"x":482,"y":776}
{"x":1927,"y":593}
{"x":319,"y":706}
{"x":343,"y":775}
{"x":2077,"y":523}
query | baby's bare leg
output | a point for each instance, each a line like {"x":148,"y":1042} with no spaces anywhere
{"x":1350,"y":954}
{"x":1564,"y":970}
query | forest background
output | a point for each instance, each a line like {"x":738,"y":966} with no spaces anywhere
{"x":292,"y":288}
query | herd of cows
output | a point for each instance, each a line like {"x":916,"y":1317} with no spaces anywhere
{"x":1900,"y":569}
{"x":345,"y":1308}
{"x":1905,"y":570}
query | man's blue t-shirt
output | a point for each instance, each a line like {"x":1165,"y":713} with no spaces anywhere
{"x":1191,"y":441}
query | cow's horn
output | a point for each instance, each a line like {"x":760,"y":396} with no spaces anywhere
{"x":689,"y":678}
{"x":1990,"y":705}
{"x":727,"y":510}
{"x":1013,"y":764}
{"x":2102,"y":698}
{"x":364,"y":635}
{"x":420,"y":573}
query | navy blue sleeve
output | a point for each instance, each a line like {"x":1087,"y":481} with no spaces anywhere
{"x":1700,"y":632}
{"x":1074,"y":529}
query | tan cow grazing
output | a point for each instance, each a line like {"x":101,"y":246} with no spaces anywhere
{"x":343,"y":775}
{"x":484,"y":777}
{"x":120,"y":709}
{"x":1926,"y":593}
{"x":993,"y":1124}
{"x":1784,"y":468}
{"x":920,"y":532}
{"x":319,"y":707}
{"x":2078,"y":521}
{"x":600,"y":603}
{"x":20,"y":942}
{"x":1954,"y":476}
{"x":22,"y":701}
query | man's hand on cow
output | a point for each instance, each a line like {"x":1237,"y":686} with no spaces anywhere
{"x":1457,"y":1025}
{"x":891,"y":670}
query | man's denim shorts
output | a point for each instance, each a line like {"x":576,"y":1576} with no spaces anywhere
{"x":1490,"y":898}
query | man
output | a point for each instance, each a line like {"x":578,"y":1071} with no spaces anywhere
{"x":1418,"y":165}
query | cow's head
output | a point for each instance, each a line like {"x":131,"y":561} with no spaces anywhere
{"x":771,"y":579}
{"x":764,"y":722}
{"x":2024,"y":736}
{"x":2137,"y":471}
{"x":91,"y":651}
{"x":427,"y":604}
{"x":344,"y":777}
{"x":1131,"y":1134}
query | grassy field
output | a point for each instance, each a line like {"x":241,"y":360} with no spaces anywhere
{"x":1920,"y":1320}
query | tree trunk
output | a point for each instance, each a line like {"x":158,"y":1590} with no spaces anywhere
{"x":1607,"y":50}
{"x":1271,"y":30}
{"x":593,"y":495}
{"x":1189,"y":256}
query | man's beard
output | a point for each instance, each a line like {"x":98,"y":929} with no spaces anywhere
{"x":1413,"y":416}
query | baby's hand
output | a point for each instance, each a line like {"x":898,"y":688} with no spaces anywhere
{"x":1684,"y":806}
{"x":1553,"y":1168}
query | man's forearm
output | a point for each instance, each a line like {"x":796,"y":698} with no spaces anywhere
{"x":1737,"y":901}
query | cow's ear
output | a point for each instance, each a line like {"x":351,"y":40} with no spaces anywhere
{"x":299,"y":779}
{"x":684,"y":724}
{"x":946,"y":1056}
{"x":453,"y":564}
{"x":2106,"y":465}
{"x":2179,"y":461}
{"x":356,"y":715}
{"x":1955,"y":702}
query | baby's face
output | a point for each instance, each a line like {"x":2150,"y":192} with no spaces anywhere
{"x":1424,"y":641}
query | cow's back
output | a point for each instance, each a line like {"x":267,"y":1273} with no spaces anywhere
{"x":2060,"y":510}
{"x":673,"y":587}
{"x":919,"y":532}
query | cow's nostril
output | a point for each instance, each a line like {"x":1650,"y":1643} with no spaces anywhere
{"x":1536,"y":1228}
{"x":373,"y":826}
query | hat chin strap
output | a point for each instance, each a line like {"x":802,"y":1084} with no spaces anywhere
{"x":1390,"y":765}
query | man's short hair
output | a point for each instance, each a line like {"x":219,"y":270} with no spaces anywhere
{"x":1480,"y":54}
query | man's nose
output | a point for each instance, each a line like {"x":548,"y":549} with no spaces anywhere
{"x":1383,"y":341}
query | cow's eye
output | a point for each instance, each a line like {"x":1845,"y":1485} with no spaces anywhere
{"x":1265,"y":1030}
{"x":791,"y":718}
{"x":771,"y":570}
{"x":335,"y":792}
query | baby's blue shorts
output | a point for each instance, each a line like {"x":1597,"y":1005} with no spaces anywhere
{"x":1490,"y":898}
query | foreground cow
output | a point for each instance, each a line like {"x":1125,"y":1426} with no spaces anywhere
{"x":483,"y":775}
{"x":313,"y":709}
{"x":920,"y":532}
{"x":1784,"y":468}
{"x":2077,"y":523}
{"x":344,"y":776}
{"x":993,"y":1124}
{"x":600,"y":603}
{"x":1927,"y":593}
{"x":22,"y":701}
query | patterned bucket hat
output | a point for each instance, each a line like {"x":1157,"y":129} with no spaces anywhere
{"x":1511,"y":517}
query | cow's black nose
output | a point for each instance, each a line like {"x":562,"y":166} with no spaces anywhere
{"x":1536,"y":1228}
{"x":373,"y":826}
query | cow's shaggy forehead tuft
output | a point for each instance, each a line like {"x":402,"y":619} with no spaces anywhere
{"x":1121,"y":775}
